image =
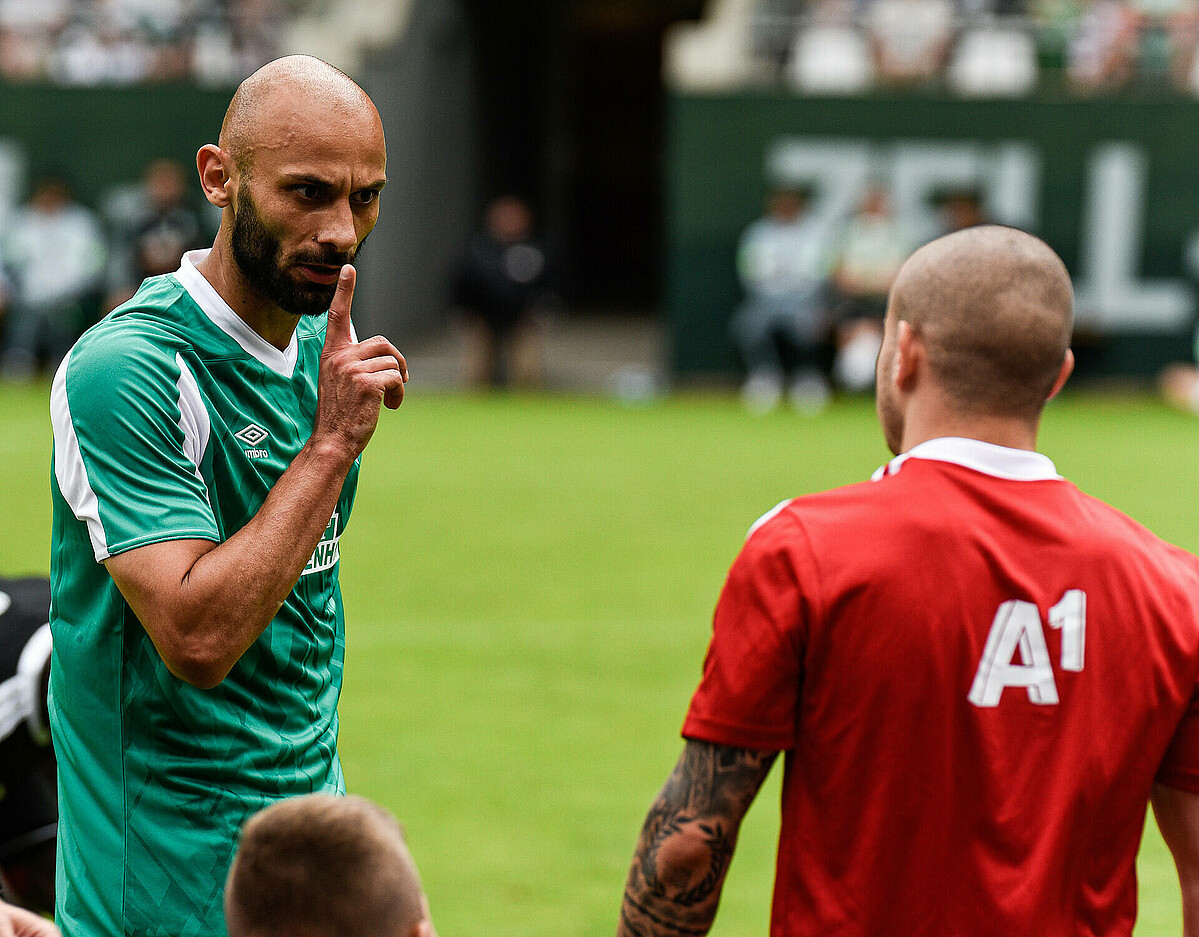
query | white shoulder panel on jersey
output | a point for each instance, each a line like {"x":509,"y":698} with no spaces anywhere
{"x":767,"y":516}
{"x":69,"y":470}
{"x":193,"y":415}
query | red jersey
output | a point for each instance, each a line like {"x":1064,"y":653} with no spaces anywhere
{"x":976,"y":672}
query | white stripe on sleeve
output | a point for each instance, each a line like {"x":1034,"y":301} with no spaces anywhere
{"x":69,"y":470}
{"x":193,"y":416}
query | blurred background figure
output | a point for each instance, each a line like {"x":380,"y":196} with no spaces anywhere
{"x":28,"y":787}
{"x":1102,"y":52}
{"x":959,"y":208}
{"x":871,"y":250}
{"x":1179,"y":385}
{"x":910,"y":39}
{"x":51,"y":256}
{"x":781,"y":264}
{"x":325,"y":866}
{"x":152,"y":231}
{"x":503,"y":287}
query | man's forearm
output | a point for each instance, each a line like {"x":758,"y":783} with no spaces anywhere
{"x":687,"y":841}
{"x":205,"y":607}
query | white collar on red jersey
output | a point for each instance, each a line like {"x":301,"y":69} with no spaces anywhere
{"x":985,"y":457}
{"x":224,"y":318}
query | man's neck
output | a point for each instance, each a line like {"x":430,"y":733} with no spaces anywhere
{"x":1014,"y":433}
{"x":264,"y":317}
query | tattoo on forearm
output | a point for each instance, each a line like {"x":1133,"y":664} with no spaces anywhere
{"x":687,"y":840}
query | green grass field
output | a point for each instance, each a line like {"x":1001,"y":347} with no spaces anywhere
{"x":529,"y":583}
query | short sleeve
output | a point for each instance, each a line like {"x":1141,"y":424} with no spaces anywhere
{"x":130,"y":431}
{"x":749,"y":693}
{"x":1180,"y":766}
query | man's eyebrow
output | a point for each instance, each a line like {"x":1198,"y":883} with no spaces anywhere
{"x":305,"y":178}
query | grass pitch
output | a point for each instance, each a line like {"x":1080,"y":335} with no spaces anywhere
{"x":529,"y":583}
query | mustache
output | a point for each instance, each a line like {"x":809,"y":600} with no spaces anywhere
{"x":329,"y":258}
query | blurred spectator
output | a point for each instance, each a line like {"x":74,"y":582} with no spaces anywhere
{"x":1183,"y":32}
{"x":94,"y":42}
{"x":51,"y":255}
{"x":1179,"y":383}
{"x":872,"y":249}
{"x":324,"y":866}
{"x":960,"y":208}
{"x":910,"y":39}
{"x":503,"y":285}
{"x":154,"y":232}
{"x":1102,"y":52}
{"x":28,"y":788}
{"x":28,"y":30}
{"x":781,"y":263}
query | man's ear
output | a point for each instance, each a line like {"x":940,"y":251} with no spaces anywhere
{"x":1064,"y":374}
{"x":422,"y":928}
{"x":216,"y":175}
{"x":910,"y":355}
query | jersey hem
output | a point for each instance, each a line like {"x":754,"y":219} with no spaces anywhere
{"x":158,"y":537}
{"x":706,"y":730}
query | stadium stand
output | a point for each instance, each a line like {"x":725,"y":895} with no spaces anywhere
{"x":977,"y":48}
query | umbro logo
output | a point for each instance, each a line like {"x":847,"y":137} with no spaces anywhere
{"x":252,"y":435}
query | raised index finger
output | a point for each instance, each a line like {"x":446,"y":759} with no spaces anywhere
{"x":337,"y":328}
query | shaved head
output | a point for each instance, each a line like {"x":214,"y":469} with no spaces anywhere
{"x":995,"y":309}
{"x":282,"y":97}
{"x":321,"y":865}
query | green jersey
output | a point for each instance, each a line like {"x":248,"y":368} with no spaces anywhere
{"x":173,"y":420}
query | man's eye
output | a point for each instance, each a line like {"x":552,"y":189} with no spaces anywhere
{"x":366,"y":196}
{"x":308,"y":191}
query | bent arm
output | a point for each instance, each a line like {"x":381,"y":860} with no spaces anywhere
{"x":688,"y":839}
{"x":1177,"y":814}
{"x":202,"y":603}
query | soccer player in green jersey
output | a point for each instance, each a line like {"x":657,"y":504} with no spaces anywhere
{"x":206,"y":444}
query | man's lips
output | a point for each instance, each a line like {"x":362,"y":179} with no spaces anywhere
{"x":324,"y":274}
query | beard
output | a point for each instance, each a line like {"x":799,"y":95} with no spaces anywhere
{"x":259,"y":254}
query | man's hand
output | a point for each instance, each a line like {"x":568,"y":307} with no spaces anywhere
{"x":356,"y":377}
{"x":17,"y":922}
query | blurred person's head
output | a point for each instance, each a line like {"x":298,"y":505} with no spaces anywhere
{"x":876,"y":202}
{"x":977,"y":333}
{"x":961,"y":208}
{"x":324,"y":866}
{"x":165,"y":184}
{"x":50,"y":192}
{"x":509,"y":219}
{"x":786,"y":203}
{"x":297,"y":174}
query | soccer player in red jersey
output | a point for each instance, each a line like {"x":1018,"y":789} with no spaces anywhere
{"x":978,"y":675}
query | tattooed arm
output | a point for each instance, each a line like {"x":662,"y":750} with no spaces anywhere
{"x":688,"y":839}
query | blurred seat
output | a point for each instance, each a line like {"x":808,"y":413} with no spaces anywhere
{"x":830,"y":59}
{"x":343,"y":31}
{"x":713,"y":54}
{"x":994,"y":60}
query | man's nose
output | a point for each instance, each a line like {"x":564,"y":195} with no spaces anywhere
{"x":337,"y":228}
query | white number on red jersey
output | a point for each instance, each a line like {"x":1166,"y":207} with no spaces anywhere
{"x":1017,"y":628}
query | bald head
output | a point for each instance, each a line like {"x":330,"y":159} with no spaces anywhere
{"x":283,"y":98}
{"x":323,"y":866}
{"x":995,"y":309}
